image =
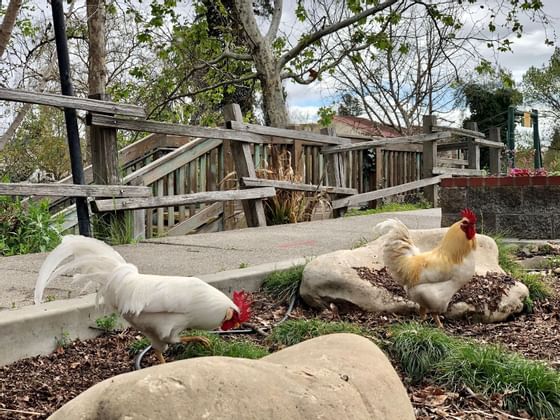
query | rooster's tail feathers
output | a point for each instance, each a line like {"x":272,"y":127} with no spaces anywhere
{"x":393,"y":226}
{"x":92,"y":257}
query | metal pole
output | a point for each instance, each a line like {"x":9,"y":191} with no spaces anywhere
{"x":70,"y":114}
{"x":511,"y":136}
{"x":536,"y":139}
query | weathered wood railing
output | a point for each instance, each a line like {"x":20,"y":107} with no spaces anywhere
{"x":189,"y":170}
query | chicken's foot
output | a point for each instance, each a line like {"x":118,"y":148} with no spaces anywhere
{"x":202,"y":340}
{"x":435,"y":317}
{"x":159,"y":356}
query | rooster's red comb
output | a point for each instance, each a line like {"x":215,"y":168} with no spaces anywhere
{"x":243,"y":301}
{"x":469,"y":214}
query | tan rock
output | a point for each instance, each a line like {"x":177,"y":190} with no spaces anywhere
{"x":331,"y":278}
{"x":339,"y":376}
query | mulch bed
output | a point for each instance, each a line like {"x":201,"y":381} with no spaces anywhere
{"x":34,"y":388}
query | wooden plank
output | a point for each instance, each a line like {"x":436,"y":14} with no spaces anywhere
{"x":204,"y":216}
{"x":92,"y":105}
{"x":170,"y":191}
{"x":459,"y":131}
{"x":160,"y":214}
{"x":383,"y":141}
{"x":449,"y":161}
{"x":286,"y":133}
{"x":71,"y":190}
{"x":438,"y":170}
{"x":171,"y":161}
{"x":244,"y":166}
{"x":181,"y":190}
{"x":177,"y":200}
{"x":489,"y":143}
{"x":495,"y":153}
{"x":287,"y":185}
{"x":386,"y":192}
{"x":403,"y":147}
{"x":177,"y":129}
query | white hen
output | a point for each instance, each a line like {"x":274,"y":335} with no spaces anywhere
{"x":159,"y":306}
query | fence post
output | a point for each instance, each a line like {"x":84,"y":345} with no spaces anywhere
{"x":244,"y":166}
{"x":495,"y":164}
{"x":429,"y":159}
{"x":473,"y":149}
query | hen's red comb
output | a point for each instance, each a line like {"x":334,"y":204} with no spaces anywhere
{"x":243,"y":302}
{"x":469,"y":214}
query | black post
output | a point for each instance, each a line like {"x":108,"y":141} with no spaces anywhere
{"x":70,"y":114}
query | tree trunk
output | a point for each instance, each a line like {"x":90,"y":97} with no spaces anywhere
{"x":8,"y":24}
{"x":268,"y":70}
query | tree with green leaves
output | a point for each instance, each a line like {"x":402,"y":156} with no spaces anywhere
{"x":542,"y":85}
{"x":552,"y":154}
{"x":253,"y":38}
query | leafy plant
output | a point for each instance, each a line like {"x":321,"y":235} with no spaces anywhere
{"x":63,"y":341}
{"x":114,"y":228}
{"x":27,"y":228}
{"x":138,"y":345}
{"x":107,"y":323}
{"x":295,"y":331}
{"x":505,"y":257}
{"x":243,"y":265}
{"x":283,"y":285}
{"x":538,"y":288}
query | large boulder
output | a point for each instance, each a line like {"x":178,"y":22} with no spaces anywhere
{"x":331,"y":377}
{"x":333,"y":278}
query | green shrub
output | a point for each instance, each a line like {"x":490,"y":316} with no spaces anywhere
{"x":138,"y":345}
{"x":539,"y":289}
{"x":27,"y":228}
{"x":389,"y":208}
{"x":107,"y":323}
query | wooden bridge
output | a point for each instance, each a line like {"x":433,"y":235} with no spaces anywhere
{"x":183,"y":179}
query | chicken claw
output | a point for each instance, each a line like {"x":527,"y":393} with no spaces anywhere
{"x":202,"y":340}
{"x":435,"y":317}
{"x":159,"y":356}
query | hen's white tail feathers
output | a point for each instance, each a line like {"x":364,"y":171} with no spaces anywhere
{"x":94,"y":259}
{"x":393,"y":226}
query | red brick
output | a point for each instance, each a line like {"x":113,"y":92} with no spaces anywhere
{"x":493,"y":181}
{"x":506,"y":181}
{"x":461,"y":182}
{"x":521,"y":181}
{"x":476,"y":182}
{"x":540,"y":180}
{"x":448,"y":182}
{"x":553,"y":180}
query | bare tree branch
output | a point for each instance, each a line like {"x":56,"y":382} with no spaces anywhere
{"x":8,"y":24}
{"x":275,"y":23}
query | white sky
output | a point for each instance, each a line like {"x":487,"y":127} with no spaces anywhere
{"x":530,"y":50}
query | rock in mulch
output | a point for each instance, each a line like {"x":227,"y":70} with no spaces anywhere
{"x":358,"y":278}
{"x":318,"y":378}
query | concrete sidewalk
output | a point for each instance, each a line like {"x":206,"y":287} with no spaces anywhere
{"x":213,"y":252}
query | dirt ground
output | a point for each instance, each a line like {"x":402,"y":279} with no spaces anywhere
{"x":36,"y":387}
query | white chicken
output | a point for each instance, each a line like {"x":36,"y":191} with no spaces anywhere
{"x":161,"y":307}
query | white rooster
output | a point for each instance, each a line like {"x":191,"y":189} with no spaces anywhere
{"x":161,"y":307}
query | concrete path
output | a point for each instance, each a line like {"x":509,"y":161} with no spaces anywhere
{"x":207,"y":253}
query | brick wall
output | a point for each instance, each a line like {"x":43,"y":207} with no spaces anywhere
{"x":519,"y":207}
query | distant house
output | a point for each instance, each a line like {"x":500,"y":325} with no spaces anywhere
{"x":349,"y":125}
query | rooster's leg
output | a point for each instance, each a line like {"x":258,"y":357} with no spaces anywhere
{"x":202,"y":340}
{"x":435,"y":317}
{"x":422,"y":313}
{"x":159,"y":356}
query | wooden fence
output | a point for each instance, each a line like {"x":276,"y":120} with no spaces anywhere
{"x":205,"y":179}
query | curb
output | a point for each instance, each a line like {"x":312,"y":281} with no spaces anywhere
{"x":33,"y":330}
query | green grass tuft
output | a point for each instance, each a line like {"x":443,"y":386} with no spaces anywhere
{"x":295,"y":331}
{"x":389,"y":208}
{"x":539,"y":289}
{"x":429,"y":353}
{"x":419,"y":348}
{"x":220,"y":347}
{"x":506,"y":258}
{"x":283,"y":285}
